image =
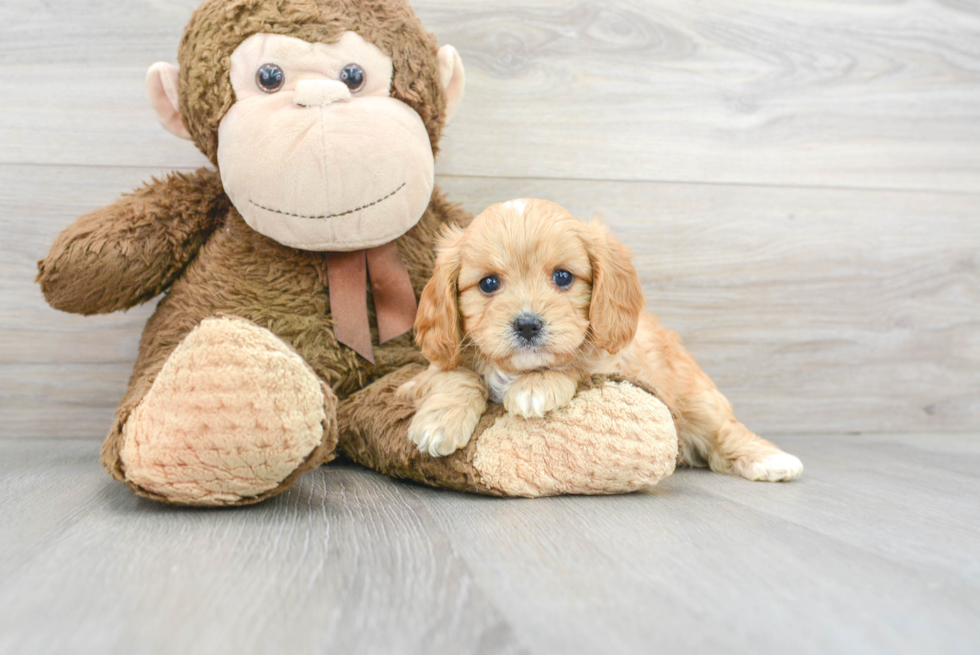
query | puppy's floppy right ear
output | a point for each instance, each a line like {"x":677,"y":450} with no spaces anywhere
{"x":617,"y":296}
{"x":438,"y":328}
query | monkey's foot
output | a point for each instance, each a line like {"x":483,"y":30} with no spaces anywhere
{"x":234,"y":417}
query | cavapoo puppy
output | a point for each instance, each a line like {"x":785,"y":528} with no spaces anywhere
{"x":528,"y":301}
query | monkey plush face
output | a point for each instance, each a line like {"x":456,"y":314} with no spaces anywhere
{"x":315,"y":153}
{"x":315,"y":139}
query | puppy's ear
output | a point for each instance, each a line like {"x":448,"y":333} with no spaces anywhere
{"x":438,"y":329}
{"x":617,"y":296}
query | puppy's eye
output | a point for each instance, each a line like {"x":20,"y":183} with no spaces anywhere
{"x":270,"y":78}
{"x":490,"y":284}
{"x":563,"y":279}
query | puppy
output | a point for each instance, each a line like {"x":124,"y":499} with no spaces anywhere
{"x":528,"y":301}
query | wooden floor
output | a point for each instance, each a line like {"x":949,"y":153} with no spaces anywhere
{"x":875,"y":550}
{"x":800,"y":182}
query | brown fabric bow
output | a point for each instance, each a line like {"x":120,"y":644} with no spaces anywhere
{"x":394,"y":297}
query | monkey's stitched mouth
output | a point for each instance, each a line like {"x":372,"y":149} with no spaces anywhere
{"x":346,"y":213}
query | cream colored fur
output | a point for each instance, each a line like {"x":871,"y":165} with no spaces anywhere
{"x":631,"y":428}
{"x":454,"y":403}
{"x":535,"y":394}
{"x":285,"y":183}
{"x":595,"y":326}
{"x":232,"y":413}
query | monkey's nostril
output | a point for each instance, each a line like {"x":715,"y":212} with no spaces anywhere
{"x":528,"y":327}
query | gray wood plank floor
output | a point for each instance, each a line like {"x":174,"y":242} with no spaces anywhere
{"x":800,"y":182}
{"x":875,"y":550}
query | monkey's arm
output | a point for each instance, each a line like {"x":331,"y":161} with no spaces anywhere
{"x":129,"y":252}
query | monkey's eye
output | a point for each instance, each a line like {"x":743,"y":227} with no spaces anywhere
{"x":353,"y":76}
{"x":489,"y":285}
{"x":563,"y":279}
{"x":270,"y":78}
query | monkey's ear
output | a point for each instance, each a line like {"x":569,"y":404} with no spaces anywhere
{"x":161,"y":86}
{"x":452,"y":76}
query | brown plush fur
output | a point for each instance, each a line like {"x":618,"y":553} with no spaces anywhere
{"x":594,"y":325}
{"x":129,"y":252}
{"x":377,"y":437}
{"x":219,"y":26}
{"x":239,"y":272}
{"x":377,"y":421}
{"x":182,"y":236}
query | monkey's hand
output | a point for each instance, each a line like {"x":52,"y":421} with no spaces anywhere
{"x":131,"y":251}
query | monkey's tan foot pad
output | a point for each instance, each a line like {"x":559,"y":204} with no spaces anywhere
{"x":234,"y":416}
{"x":615,"y":437}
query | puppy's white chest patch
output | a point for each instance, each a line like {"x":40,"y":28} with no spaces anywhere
{"x":498,"y":383}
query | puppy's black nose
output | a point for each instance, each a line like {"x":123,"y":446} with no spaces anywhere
{"x":528,"y":327}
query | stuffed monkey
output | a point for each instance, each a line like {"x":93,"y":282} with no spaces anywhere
{"x":290,"y":273}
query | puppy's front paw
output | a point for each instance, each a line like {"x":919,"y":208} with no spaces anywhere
{"x":444,"y":430}
{"x":409,"y":390}
{"x":775,"y":467}
{"x":535,"y":394}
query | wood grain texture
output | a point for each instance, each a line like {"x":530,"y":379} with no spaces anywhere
{"x":701,"y":131}
{"x":815,"y":310}
{"x":874,"y":550}
{"x":821,"y":93}
{"x":932,"y":476}
{"x":701,"y":567}
{"x":344,"y":565}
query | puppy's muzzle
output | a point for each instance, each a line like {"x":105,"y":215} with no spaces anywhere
{"x":528,"y":329}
